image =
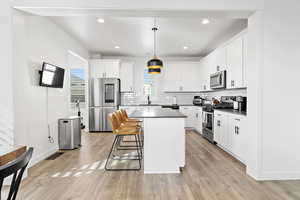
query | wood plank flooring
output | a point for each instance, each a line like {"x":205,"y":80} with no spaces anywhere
{"x":210,"y":174}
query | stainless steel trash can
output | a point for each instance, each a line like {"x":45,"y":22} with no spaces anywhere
{"x":69,"y":132}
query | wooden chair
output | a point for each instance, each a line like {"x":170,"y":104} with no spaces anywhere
{"x":15,"y":168}
{"x":120,"y":131}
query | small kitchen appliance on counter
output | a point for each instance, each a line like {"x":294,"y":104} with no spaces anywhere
{"x":198,"y":101}
{"x":242,"y":103}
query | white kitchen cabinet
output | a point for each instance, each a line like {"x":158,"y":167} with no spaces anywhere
{"x":235,"y":63}
{"x":217,"y":60}
{"x":126,"y":76}
{"x":204,"y":74}
{"x":198,"y":121}
{"x":221,"y":59}
{"x":190,"y":112}
{"x":230,"y":133}
{"x":237,"y":135}
{"x":220,"y":129}
{"x":172,"y":77}
{"x":181,"y":76}
{"x":105,"y":68}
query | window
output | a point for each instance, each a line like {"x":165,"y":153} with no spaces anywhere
{"x":77,"y":81}
{"x":148,"y":83}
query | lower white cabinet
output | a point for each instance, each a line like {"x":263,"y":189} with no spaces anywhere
{"x":220,"y":129}
{"x":190,"y":112}
{"x":237,"y":134}
{"x":198,"y":121}
{"x":230,"y":133}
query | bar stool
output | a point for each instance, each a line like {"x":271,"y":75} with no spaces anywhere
{"x":121,"y":115}
{"x":127,"y":119}
{"x":120,"y":131}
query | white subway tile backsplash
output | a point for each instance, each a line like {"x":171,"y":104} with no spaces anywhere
{"x":131,"y":98}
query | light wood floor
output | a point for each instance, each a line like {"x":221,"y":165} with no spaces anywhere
{"x":210,"y":174}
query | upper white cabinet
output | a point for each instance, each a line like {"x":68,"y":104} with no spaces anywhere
{"x":126,"y":76}
{"x":105,"y":68}
{"x":235,"y":63}
{"x":231,"y":57}
{"x":218,"y":60}
{"x":204,"y":74}
{"x":181,"y":76}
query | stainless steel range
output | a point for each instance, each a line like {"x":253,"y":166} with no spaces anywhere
{"x":208,"y":116}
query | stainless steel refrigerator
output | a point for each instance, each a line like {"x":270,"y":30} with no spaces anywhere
{"x":105,"y":97}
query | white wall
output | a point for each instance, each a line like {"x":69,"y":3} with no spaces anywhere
{"x":6,"y":88}
{"x":37,"y":39}
{"x":280,"y":137}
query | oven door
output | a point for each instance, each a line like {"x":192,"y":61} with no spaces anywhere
{"x":218,"y":80}
{"x":208,"y":126}
{"x":208,"y":120}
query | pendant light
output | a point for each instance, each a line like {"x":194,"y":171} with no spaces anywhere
{"x":155,"y":64}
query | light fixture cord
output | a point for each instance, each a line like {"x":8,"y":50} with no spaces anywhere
{"x":154,"y":30}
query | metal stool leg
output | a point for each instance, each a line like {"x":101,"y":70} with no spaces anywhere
{"x":114,"y":147}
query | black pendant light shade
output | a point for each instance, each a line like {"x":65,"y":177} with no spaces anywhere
{"x":155,"y":64}
{"x":154,"y":71}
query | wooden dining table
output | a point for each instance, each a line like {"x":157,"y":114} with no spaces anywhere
{"x":11,"y":154}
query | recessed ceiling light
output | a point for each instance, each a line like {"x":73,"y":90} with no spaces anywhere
{"x":185,"y":47}
{"x":205,"y":21}
{"x":117,"y":47}
{"x":100,"y":20}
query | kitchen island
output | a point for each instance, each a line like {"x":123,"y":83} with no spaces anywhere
{"x":164,"y":140}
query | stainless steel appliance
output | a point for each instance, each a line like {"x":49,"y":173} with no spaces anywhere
{"x":208,"y":116}
{"x":242,"y":103}
{"x":198,"y":101}
{"x":208,"y":123}
{"x":105,"y":97}
{"x":69,"y":133}
{"x":218,"y":80}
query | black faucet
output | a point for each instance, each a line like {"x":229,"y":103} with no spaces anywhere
{"x":148,"y":100}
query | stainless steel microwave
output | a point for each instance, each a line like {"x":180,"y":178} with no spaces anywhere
{"x":218,"y":80}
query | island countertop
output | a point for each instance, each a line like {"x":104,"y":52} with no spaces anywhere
{"x":157,"y":113}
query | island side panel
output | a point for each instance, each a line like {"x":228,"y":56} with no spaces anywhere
{"x":164,"y":145}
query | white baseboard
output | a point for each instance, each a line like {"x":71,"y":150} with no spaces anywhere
{"x":273,"y":175}
{"x":42,"y":156}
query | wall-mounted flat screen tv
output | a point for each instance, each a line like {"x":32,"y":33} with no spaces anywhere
{"x":52,"y":76}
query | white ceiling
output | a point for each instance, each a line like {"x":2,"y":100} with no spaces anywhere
{"x":135,"y":37}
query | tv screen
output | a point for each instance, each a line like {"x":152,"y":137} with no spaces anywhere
{"x":52,"y":76}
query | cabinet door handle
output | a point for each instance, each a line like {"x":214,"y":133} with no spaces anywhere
{"x":237,"y":119}
{"x":237,"y":130}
